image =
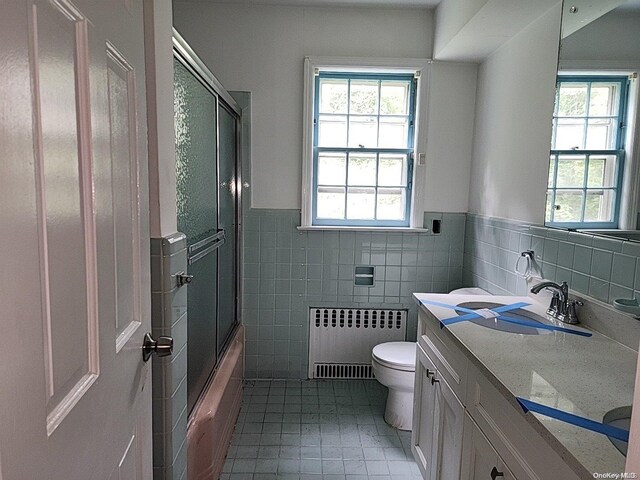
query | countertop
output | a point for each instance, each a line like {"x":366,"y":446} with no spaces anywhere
{"x":586,"y":376}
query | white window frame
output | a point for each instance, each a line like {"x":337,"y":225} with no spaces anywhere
{"x":418,"y":67}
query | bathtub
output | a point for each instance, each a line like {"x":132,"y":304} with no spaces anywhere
{"x":214,"y":417}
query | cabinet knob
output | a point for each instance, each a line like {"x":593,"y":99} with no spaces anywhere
{"x":434,"y":380}
{"x":495,"y":473}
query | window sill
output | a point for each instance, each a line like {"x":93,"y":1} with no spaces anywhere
{"x":361,"y":229}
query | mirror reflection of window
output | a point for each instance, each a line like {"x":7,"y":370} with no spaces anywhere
{"x":594,"y":167}
{"x":587,"y":151}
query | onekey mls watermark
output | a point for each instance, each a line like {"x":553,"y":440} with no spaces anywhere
{"x":616,"y":476}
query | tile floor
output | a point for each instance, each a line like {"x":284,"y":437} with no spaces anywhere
{"x":317,"y":430}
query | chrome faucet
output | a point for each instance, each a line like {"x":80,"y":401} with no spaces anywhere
{"x":561,"y":306}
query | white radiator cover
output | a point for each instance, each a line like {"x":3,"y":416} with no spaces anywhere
{"x":341,"y":339}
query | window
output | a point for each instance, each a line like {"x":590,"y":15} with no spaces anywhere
{"x":363,"y":149}
{"x":360,"y":132}
{"x":587,"y":152}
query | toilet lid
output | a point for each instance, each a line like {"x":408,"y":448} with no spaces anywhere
{"x":396,"y":355}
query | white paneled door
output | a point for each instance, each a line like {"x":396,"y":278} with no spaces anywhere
{"x":75,"y":395}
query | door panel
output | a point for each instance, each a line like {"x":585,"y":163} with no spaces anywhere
{"x":124,"y":184}
{"x":65,"y":206}
{"x":450,"y":414}
{"x":479,"y":457}
{"x":227,"y":276}
{"x":425,"y":426}
{"x":72,"y":181}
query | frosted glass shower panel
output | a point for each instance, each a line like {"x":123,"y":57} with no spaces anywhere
{"x":196,"y":152}
{"x":227,"y":196}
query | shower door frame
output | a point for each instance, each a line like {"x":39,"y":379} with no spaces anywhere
{"x":183,"y":52}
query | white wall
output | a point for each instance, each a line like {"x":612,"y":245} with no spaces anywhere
{"x":452,"y":99}
{"x":261,"y":49}
{"x":158,"y":36}
{"x":513,"y":124}
{"x":610,"y":41}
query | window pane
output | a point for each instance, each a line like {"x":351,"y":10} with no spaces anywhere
{"x":568,"y":206}
{"x":391,"y":203}
{"x":364,"y":97}
{"x":332,"y":168}
{"x":572,"y":100}
{"x":363,"y":132}
{"x":330,"y":202}
{"x":552,"y":171}
{"x":392,"y":170}
{"x":362,"y":169}
{"x":604,"y":99}
{"x":361,"y":203}
{"x":601,"y":134}
{"x":332,"y":131}
{"x":599,"y":206}
{"x":569,"y":134}
{"x":394,"y":98}
{"x":333,"y":95}
{"x":602,"y":171}
{"x":571,"y":172}
{"x":549,"y":207}
{"x":393,"y":132}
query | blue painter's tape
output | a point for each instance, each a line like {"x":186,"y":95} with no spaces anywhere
{"x":473,"y":314}
{"x":578,"y":421}
{"x":446,"y":305}
{"x":543,"y":326}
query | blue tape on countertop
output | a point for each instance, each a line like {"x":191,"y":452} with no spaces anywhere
{"x":544,"y":326}
{"x":578,"y":421}
{"x":472,"y":314}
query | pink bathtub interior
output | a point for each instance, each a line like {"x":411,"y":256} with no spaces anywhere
{"x":212,"y":422}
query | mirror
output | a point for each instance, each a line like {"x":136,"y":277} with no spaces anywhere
{"x":593,"y":172}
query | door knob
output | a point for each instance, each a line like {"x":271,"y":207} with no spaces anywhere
{"x":495,"y":473}
{"x":162,"y":347}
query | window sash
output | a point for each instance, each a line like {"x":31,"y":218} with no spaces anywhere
{"x":408,"y":151}
{"x":617,"y":150}
{"x":616,"y":188}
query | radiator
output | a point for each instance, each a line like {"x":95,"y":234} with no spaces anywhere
{"x":341,"y":339}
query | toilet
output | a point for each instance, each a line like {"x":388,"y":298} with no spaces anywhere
{"x":394,"y":366}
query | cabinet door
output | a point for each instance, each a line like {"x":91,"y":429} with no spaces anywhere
{"x":450,"y":418}
{"x":480,"y":460}
{"x":424,"y":425}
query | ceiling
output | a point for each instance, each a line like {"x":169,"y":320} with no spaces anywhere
{"x":331,"y":3}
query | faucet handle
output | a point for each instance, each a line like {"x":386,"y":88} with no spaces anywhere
{"x":554,"y":306}
{"x":572,"y":314}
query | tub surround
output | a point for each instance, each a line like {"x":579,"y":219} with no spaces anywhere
{"x":587,"y":376}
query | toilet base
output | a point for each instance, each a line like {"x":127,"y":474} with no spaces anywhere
{"x":399,"y":410}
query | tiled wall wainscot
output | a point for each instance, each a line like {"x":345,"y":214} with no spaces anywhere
{"x":286,"y":271}
{"x":169,"y":318}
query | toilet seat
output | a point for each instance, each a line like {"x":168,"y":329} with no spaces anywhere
{"x":396,"y":355}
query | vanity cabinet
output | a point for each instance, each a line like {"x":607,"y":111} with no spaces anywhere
{"x":480,"y":461}
{"x":464,"y":427}
{"x":438,"y":423}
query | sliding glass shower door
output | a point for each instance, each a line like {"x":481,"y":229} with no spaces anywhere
{"x":207,"y":208}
